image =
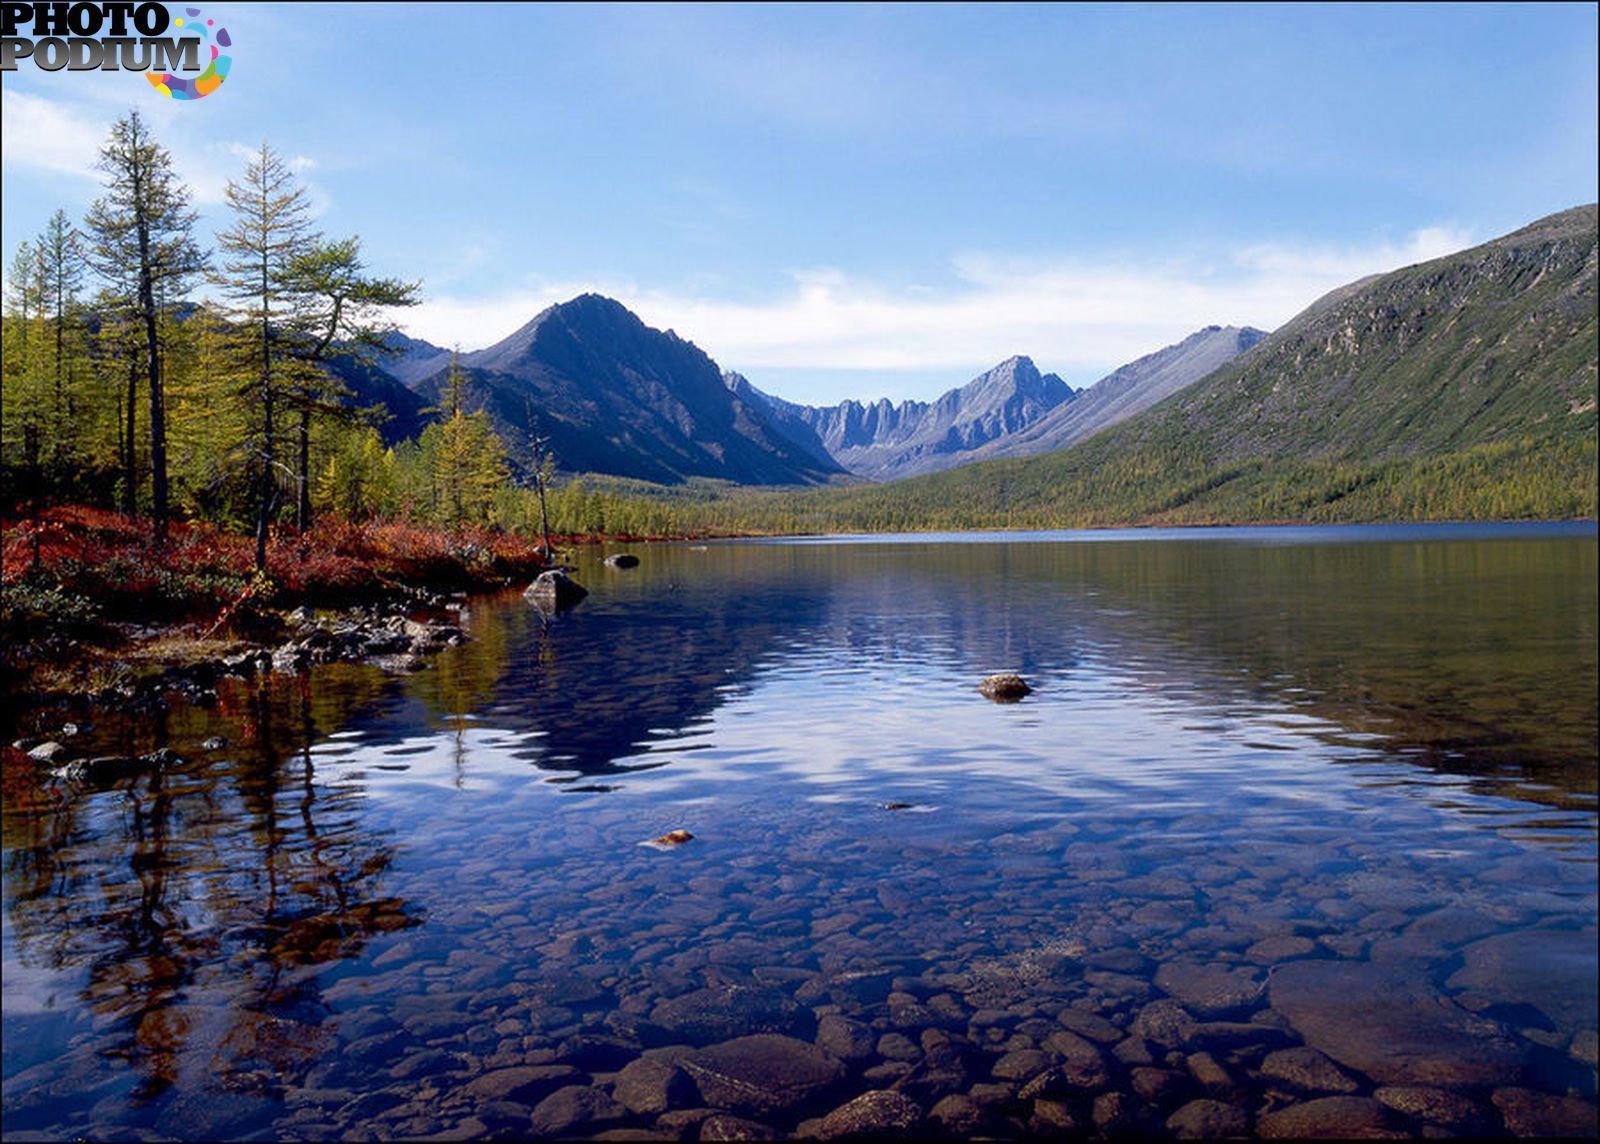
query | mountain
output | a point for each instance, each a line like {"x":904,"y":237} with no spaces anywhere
{"x":1491,"y":343}
{"x":372,"y":385}
{"x":1460,"y":388}
{"x":1011,"y":411}
{"x":611,"y":395}
{"x":886,"y":442}
{"x":1129,"y":390}
{"x":411,"y":359}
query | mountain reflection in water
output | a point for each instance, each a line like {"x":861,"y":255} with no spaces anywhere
{"x":1358,"y":752}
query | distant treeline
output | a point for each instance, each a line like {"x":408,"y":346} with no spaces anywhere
{"x":126,"y":386}
{"x":1522,"y":479}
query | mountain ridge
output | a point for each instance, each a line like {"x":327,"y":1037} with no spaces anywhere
{"x":609,"y":394}
{"x":1459,"y":388}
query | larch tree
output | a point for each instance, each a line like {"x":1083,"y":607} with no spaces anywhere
{"x":142,"y":243}
{"x":341,"y":310}
{"x":463,"y":455}
{"x":21,"y":412}
{"x":271,"y":230}
{"x":59,"y":249}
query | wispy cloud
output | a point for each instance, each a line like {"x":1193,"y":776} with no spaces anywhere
{"x":1071,"y":315}
{"x":47,"y":136}
{"x":60,"y":137}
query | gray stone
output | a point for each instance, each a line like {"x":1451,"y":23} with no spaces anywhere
{"x":1115,"y":1114}
{"x":762,"y":1074}
{"x":941,"y":1072}
{"x":428,"y":1062}
{"x":1553,"y":970}
{"x":1434,"y":1105}
{"x":1020,"y":1065}
{"x":1007,"y":687}
{"x":721,"y":1012}
{"x":572,"y":1111}
{"x":1331,"y":1118}
{"x":1529,"y":1113}
{"x":1090,"y":1025}
{"x":1211,"y":990}
{"x":1453,"y":926}
{"x":962,"y":1117}
{"x":898,"y":1047}
{"x":203,"y":1114}
{"x":1285,"y":947}
{"x":872,"y":1114}
{"x":526,"y":1083}
{"x":1133,"y":1051}
{"x":1165,"y":1022}
{"x":1392,"y":1025}
{"x":1308,"y":1070}
{"x":654,"y":1082}
{"x":1082,"y":1064}
{"x":555,"y":590}
{"x":1053,"y":1118}
{"x":1208,"y":1120}
{"x":725,"y":1127}
{"x":843,"y":1038}
{"x":1157,"y":1086}
{"x":1206,"y":1069}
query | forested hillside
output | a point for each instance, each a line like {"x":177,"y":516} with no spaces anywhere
{"x":1462,"y":388}
{"x":238,"y":378}
{"x":232,"y":377}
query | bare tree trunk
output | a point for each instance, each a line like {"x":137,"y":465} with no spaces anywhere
{"x":303,"y":507}
{"x":130,"y":462}
{"x":264,"y":485}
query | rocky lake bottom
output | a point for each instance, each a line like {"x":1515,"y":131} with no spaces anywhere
{"x":1294,"y":837}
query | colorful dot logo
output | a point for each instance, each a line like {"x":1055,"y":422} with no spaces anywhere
{"x":176,"y":87}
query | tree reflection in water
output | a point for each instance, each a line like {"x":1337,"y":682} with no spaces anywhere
{"x":200,"y":901}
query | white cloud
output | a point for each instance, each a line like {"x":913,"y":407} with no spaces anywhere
{"x":47,"y":136}
{"x":1077,"y":317}
{"x":60,"y":137}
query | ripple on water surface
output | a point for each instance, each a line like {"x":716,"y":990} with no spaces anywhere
{"x":1289,"y":838}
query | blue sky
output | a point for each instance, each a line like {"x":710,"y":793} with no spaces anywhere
{"x":861,"y":201}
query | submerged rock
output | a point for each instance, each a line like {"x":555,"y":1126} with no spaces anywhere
{"x":1211,"y":990}
{"x":1331,"y":1118}
{"x":1392,"y":1025}
{"x":1004,"y":688}
{"x":719,"y":1012}
{"x":1553,"y":970}
{"x":876,"y":1113}
{"x":762,"y":1074}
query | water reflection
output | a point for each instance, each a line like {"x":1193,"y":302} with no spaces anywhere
{"x":360,"y":916}
{"x":1468,"y":656}
{"x":189,"y":907}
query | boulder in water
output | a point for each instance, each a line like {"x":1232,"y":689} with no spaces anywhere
{"x":555,"y":590}
{"x":1007,"y":687}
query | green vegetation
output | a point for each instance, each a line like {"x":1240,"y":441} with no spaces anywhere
{"x":1462,"y":388}
{"x":1521,"y":479}
{"x":1459,"y":389}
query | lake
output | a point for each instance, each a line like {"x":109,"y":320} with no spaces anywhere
{"x":1295,"y":834}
